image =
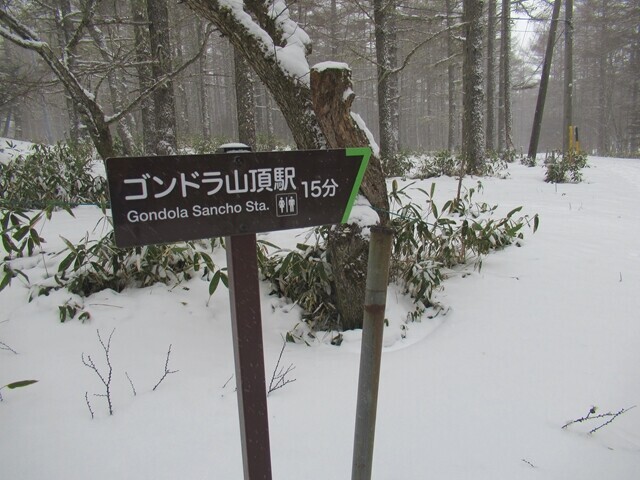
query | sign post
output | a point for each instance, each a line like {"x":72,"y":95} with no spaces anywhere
{"x":246,"y":324}
{"x":189,"y":197}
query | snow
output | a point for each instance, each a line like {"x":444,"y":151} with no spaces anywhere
{"x":322,"y":66}
{"x":363,"y":126}
{"x":292,"y":56}
{"x":534,"y":339}
{"x":10,"y":149}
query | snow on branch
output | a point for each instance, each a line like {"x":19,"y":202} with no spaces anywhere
{"x":278,"y":36}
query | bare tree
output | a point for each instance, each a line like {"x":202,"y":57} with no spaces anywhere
{"x":68,"y":42}
{"x":96,"y":120}
{"x":544,"y":82}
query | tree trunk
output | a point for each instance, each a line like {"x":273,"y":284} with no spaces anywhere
{"x":332,"y":99}
{"x":181,"y":97}
{"x":634,"y":124}
{"x":384,"y":14}
{"x":603,"y":85}
{"x":472,"y":79}
{"x":568,"y":74}
{"x":64,"y":33}
{"x":544,"y":82}
{"x":205,"y":118}
{"x":145,"y":75}
{"x":505,"y":74}
{"x":491,"y":67}
{"x":123,"y":127}
{"x":452,"y":117}
{"x":245,"y":100}
{"x":165,"y":111}
{"x":333,"y":32}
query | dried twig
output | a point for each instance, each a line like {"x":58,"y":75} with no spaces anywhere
{"x":105,"y":379}
{"x":227,"y":382}
{"x":166,"y":370}
{"x":4,"y":346}
{"x":591,"y":416}
{"x":131,"y":383}
{"x":528,"y":463}
{"x":279,"y":377}
{"x":86,"y":398}
{"x":613,"y":417}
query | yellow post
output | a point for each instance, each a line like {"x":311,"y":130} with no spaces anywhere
{"x":570,"y":147}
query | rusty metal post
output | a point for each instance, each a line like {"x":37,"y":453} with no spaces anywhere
{"x":371,"y":352}
{"x":244,"y":296}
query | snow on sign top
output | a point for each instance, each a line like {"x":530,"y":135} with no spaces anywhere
{"x":188,"y":197}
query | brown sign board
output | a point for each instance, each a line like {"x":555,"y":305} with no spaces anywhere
{"x":166,"y":199}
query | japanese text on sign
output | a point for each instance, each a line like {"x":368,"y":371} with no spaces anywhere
{"x":162,"y":199}
{"x":254,"y":181}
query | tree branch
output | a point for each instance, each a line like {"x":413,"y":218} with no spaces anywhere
{"x":166,"y":370}
{"x":145,"y":93}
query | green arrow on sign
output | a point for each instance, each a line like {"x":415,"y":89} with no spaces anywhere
{"x":365,"y":153}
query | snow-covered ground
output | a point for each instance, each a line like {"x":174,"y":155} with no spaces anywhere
{"x":536,"y":338}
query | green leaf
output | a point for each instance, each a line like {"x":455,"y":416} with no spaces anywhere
{"x":66,"y":262}
{"x":5,"y":281}
{"x":213,"y":285}
{"x":8,"y":245}
{"x":515,"y":210}
{"x":21,"y":232}
{"x":21,"y":383}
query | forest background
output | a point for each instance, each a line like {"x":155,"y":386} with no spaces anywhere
{"x":121,"y":52}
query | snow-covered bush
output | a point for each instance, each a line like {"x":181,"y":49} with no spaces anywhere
{"x":61,"y":175}
{"x":94,"y":265}
{"x":398,"y":166}
{"x":429,"y":239}
{"x":442,"y":163}
{"x":565,"y":168}
{"x":304,"y":275}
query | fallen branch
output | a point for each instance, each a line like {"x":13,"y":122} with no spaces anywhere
{"x":4,"y":346}
{"x":591,"y":416}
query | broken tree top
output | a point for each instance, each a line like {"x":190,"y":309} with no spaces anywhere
{"x":188,"y":197}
